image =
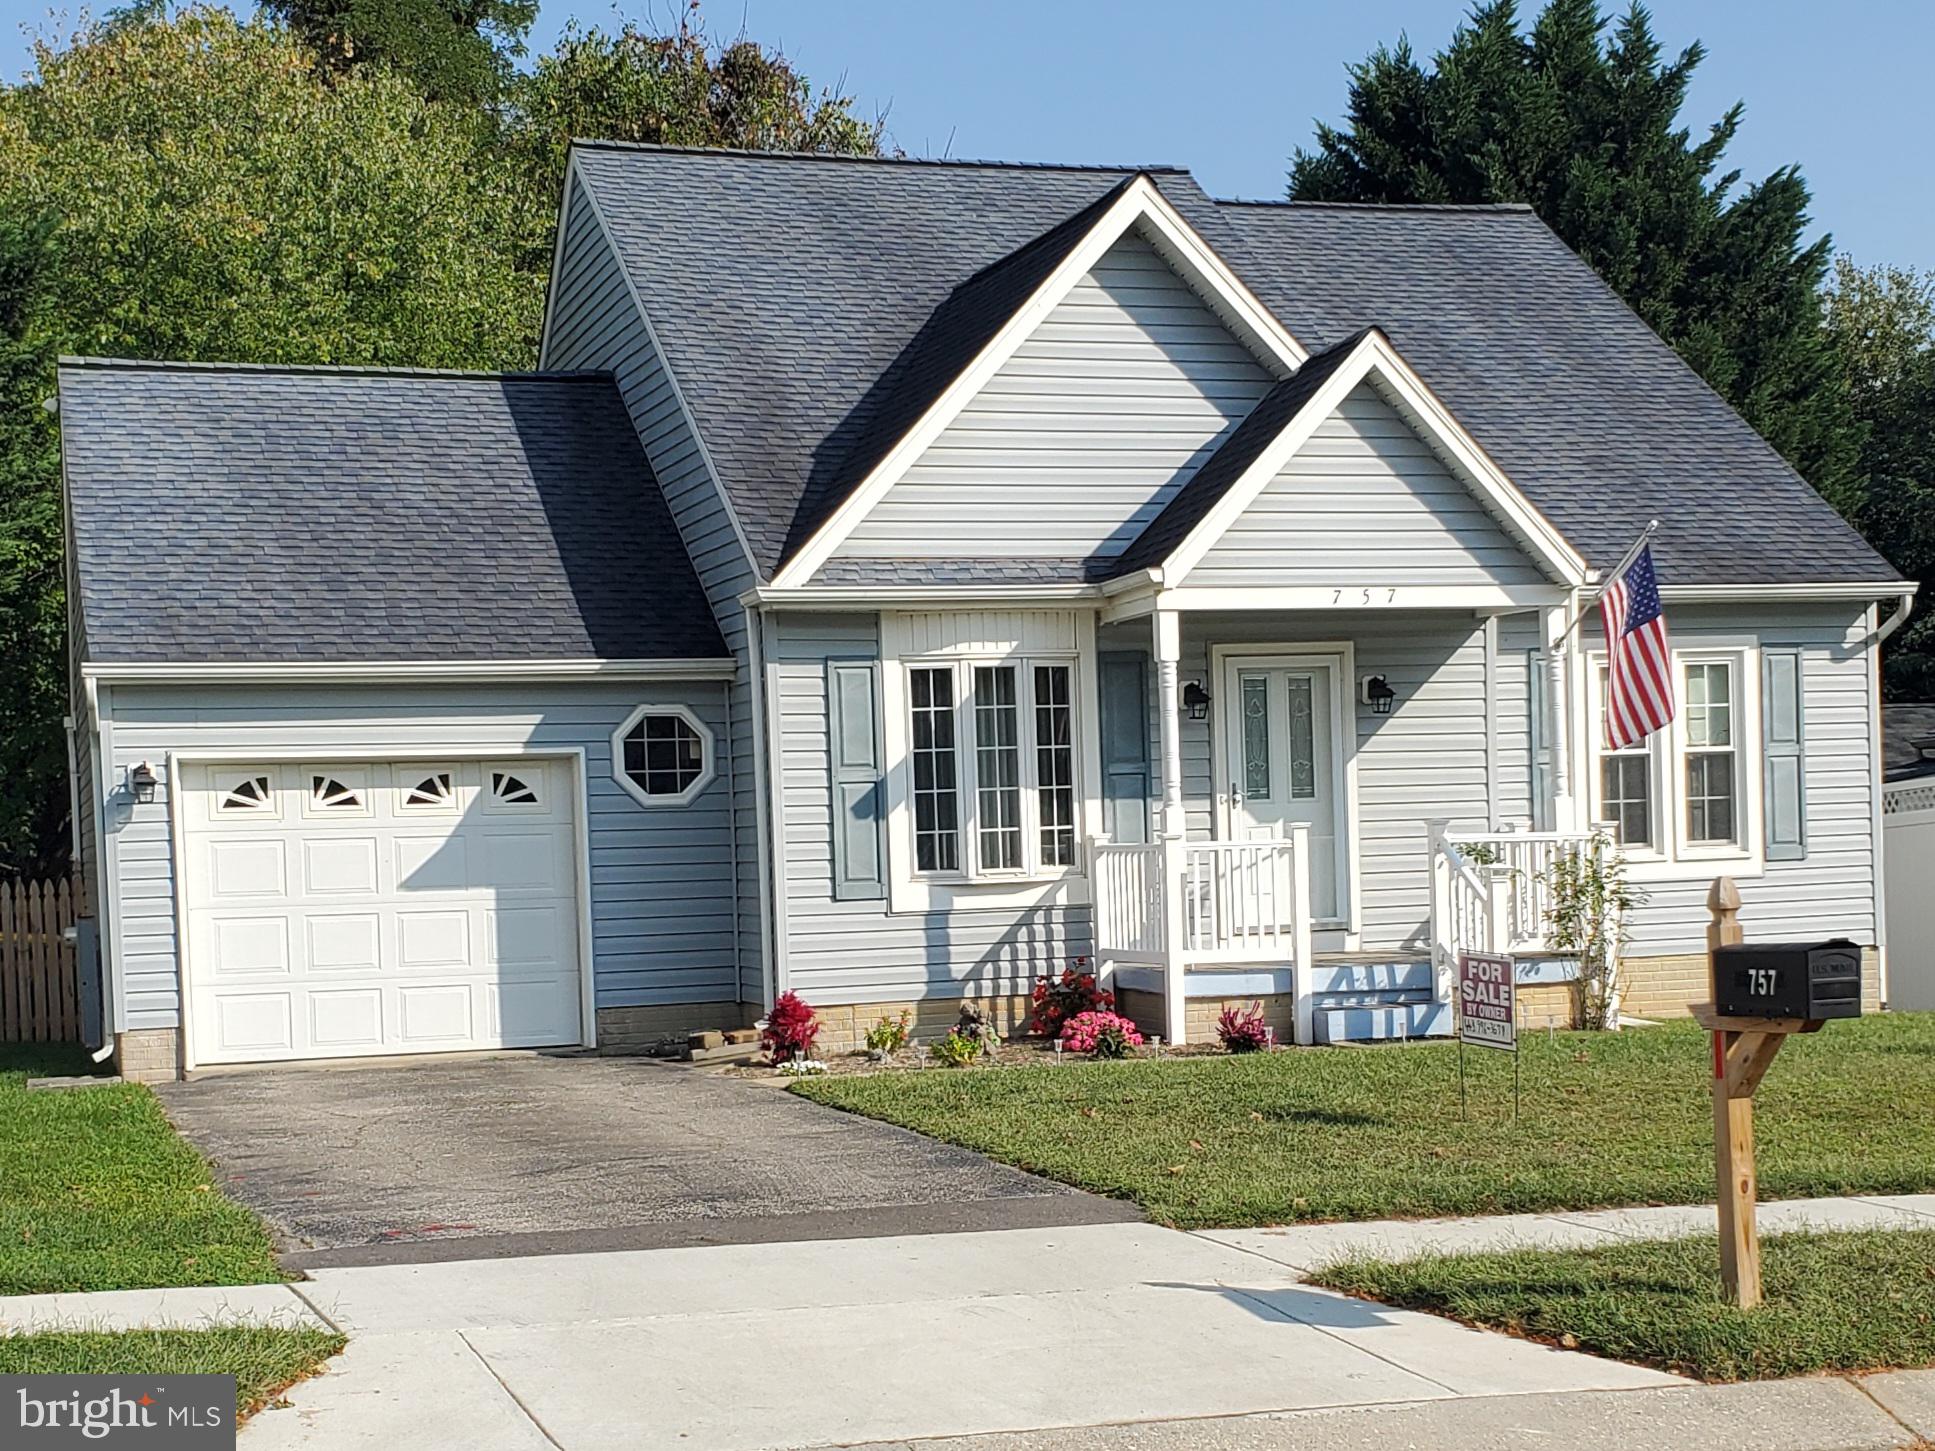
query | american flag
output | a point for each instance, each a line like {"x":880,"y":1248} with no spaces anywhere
{"x":1639,"y":673}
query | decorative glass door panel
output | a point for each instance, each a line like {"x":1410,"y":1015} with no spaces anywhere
{"x":1281,"y":763}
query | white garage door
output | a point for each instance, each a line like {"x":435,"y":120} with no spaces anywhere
{"x":356,"y":908}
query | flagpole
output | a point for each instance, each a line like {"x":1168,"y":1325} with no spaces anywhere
{"x":1645,"y":537}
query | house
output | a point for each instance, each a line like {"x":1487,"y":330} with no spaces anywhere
{"x":904,"y":579}
{"x":1908,"y":841}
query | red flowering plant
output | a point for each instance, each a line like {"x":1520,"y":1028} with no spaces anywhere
{"x":1243,"y":1029}
{"x":792,"y":1028}
{"x":1056,"y":1000}
{"x":1100,"y":1035}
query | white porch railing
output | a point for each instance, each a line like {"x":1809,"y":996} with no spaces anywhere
{"x":1177,"y":904}
{"x":1128,"y":902}
{"x":1492,"y":892}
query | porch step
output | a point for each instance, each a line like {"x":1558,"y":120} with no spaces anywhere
{"x":1369,"y":973}
{"x":1373,"y":999}
{"x":1382,"y":1024}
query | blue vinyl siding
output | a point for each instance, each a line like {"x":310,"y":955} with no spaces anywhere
{"x":661,"y":877}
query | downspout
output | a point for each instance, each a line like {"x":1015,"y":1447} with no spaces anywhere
{"x":1904,"y":606}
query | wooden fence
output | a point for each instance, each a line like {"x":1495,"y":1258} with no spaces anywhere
{"x":39,"y":981}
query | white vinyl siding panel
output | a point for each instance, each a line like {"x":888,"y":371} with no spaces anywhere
{"x":1082,"y":436}
{"x":1831,"y":891}
{"x":1365,"y":501}
{"x":859,"y":951}
{"x":661,"y":878}
{"x":595,"y":324}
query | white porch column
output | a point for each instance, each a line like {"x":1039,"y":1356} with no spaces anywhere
{"x":1304,"y":1004}
{"x":1168,"y":650}
{"x":1558,"y":715}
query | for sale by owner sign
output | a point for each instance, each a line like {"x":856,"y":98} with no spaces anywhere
{"x":1487,"y":1016}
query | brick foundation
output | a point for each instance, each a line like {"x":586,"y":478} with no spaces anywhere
{"x":1200,"y":1015}
{"x":1541,"y":1003}
{"x":148,"y":1055}
{"x":843,"y":1027}
{"x":1667,"y":987}
{"x":634,"y":1030}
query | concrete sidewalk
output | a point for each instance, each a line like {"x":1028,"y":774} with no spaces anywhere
{"x":836,"y":1342}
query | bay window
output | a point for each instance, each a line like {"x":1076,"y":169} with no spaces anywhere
{"x":991,"y":753}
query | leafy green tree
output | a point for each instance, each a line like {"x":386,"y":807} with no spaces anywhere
{"x":454,"y":50}
{"x":33,"y":753}
{"x":1583,"y":125}
{"x":346,"y":223}
{"x":1882,"y":321}
{"x":677,"y":87}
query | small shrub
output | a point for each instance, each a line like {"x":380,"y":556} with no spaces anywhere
{"x":888,"y":1036}
{"x":1056,"y":1000}
{"x":792,"y":1028}
{"x":959,"y":1048}
{"x":1100,"y":1035}
{"x":1243,"y":1029}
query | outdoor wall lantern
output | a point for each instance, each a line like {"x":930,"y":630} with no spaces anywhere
{"x":1196,"y":700}
{"x":141,"y":781}
{"x":1378,"y":694}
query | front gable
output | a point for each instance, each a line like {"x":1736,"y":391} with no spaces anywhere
{"x":1082,"y":435}
{"x":1365,"y":501}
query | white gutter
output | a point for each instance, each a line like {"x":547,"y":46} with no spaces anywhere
{"x":1852,"y":590}
{"x":711,"y":668}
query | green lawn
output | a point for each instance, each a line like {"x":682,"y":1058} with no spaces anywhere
{"x":97,"y":1192}
{"x":1609,"y":1119}
{"x":1832,"y":1302}
{"x":263,"y":1361}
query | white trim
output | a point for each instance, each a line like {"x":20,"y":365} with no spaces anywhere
{"x":769,"y":814}
{"x":107,"y":863}
{"x":708,"y":769}
{"x":868,"y":597}
{"x":1374,"y":357}
{"x":178,"y":856}
{"x":909,"y":891}
{"x":1472,"y":597}
{"x":665,"y":366}
{"x":253,"y":671}
{"x":1139,"y":205}
{"x":1672,"y":858}
{"x":1340,"y":658}
{"x":1878,"y":787}
{"x":1817,"y":590}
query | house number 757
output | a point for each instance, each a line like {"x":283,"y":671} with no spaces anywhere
{"x":1761,"y":981}
{"x":1367,"y":596}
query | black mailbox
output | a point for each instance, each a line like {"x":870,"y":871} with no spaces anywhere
{"x":1788,"y":980}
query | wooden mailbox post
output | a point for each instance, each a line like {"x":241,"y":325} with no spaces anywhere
{"x":1742,"y":1050}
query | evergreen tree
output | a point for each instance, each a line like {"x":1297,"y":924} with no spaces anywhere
{"x":1582,"y":125}
{"x":1882,"y":321}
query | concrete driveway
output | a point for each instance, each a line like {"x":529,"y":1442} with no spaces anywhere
{"x":518,"y":1154}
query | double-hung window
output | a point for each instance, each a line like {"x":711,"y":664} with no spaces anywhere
{"x":1682,"y":793}
{"x":991,"y":761}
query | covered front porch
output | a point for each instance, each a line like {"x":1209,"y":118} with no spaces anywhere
{"x":1323,"y":807}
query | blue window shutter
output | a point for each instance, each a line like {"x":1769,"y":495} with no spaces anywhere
{"x":1125,"y":748}
{"x":1783,"y":764}
{"x":853,"y":755}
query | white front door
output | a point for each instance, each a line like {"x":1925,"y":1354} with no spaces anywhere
{"x":1280,"y":756}
{"x":354,"y":907}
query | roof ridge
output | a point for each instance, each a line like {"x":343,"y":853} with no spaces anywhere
{"x":369,"y":370}
{"x":993,"y":164}
{"x":1473,"y":208}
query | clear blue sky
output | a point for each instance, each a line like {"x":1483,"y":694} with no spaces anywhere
{"x":1229,"y":87}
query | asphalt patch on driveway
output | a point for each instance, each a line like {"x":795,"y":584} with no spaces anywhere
{"x":439,"y":1159}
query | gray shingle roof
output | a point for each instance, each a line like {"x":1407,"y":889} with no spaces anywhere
{"x":1905,"y":727}
{"x":806,"y":305}
{"x":236,"y":514}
